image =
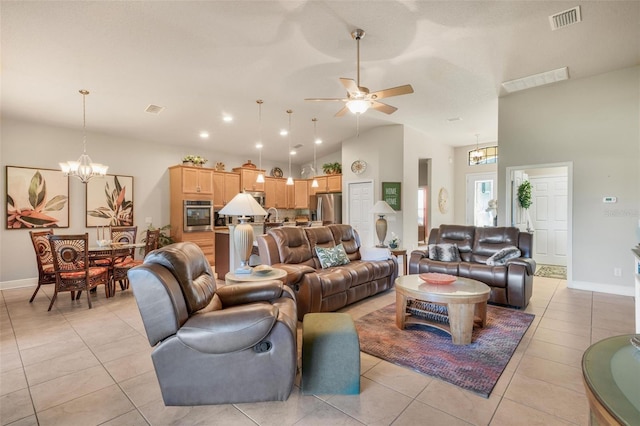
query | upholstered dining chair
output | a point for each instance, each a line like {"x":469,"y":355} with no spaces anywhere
{"x":71,"y":266}
{"x":46,"y":272}
{"x":121,"y":267}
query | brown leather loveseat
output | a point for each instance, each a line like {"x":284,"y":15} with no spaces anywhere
{"x":320,"y":289}
{"x":511,"y":282}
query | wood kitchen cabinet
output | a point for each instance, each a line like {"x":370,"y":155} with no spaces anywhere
{"x":300,"y":194}
{"x":275,"y":193}
{"x":248,"y":178}
{"x":195,"y":180}
{"x":328,"y":183}
{"x":226,"y":185}
{"x":204,"y":240}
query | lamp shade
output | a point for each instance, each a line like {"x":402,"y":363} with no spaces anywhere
{"x":381,"y":207}
{"x":243,"y":204}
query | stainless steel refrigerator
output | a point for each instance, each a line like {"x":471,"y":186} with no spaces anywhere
{"x":328,"y":208}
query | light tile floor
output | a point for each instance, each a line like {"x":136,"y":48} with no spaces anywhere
{"x":75,"y":366}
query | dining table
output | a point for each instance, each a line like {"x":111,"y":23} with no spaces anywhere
{"x":107,"y":256}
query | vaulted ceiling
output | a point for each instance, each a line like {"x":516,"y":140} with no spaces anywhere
{"x":206,"y":59}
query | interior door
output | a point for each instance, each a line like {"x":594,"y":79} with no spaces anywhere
{"x":423,"y":218}
{"x":360,"y":204}
{"x":481,"y":193}
{"x":549,"y":216}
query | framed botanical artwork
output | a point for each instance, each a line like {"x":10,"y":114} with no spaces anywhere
{"x":391,"y":194}
{"x":36,"y":198}
{"x":110,"y":201}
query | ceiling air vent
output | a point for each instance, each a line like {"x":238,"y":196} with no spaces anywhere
{"x":154,"y":109}
{"x":563,"y":19}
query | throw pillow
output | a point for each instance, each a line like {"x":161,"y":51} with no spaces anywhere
{"x":501,"y":256}
{"x":332,"y":256}
{"x":444,"y":252}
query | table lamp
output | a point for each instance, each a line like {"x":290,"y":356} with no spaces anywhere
{"x":381,"y":208}
{"x":243,"y":205}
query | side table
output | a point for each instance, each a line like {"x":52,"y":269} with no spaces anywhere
{"x":275,"y":274}
{"x":403,"y":253}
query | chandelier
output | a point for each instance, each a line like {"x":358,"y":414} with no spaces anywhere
{"x":476,"y":155}
{"x":84,"y":169}
{"x":260,"y":178}
{"x":290,"y":178}
{"x":316,"y":141}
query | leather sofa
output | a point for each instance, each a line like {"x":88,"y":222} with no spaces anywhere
{"x":325,"y":290}
{"x":233,"y":344}
{"x":511,"y":284}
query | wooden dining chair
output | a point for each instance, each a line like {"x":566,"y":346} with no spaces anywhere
{"x":71,"y":266}
{"x":46,"y":272}
{"x":124,"y":235}
{"x":120,"y":269}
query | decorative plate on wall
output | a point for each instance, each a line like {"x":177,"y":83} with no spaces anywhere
{"x":276,"y":172}
{"x":443,"y":200}
{"x":358,"y":166}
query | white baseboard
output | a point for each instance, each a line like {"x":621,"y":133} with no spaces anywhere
{"x":27,"y":282}
{"x":601,"y":288}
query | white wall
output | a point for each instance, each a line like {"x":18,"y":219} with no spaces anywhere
{"x":417,"y":145}
{"x":41,"y":146}
{"x":381,"y":148}
{"x":592,"y":123}
{"x":462,"y":169}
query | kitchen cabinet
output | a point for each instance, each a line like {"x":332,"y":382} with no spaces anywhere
{"x":204,"y":240}
{"x":328,"y":183}
{"x":275,"y":193}
{"x":226,"y":185}
{"x":300,"y":194}
{"x":248,"y":178}
{"x":195,"y":180}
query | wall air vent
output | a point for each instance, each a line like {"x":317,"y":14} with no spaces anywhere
{"x":154,"y":109}
{"x":563,"y":19}
{"x":298,"y":146}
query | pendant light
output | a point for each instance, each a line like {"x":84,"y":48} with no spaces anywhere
{"x":476,"y":155}
{"x":289,"y":179}
{"x":84,"y":169}
{"x":316,"y":141}
{"x":260,"y":178}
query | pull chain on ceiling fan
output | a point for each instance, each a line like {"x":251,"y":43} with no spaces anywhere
{"x":359,"y":99}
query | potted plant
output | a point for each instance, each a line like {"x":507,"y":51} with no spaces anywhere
{"x":332,"y":168}
{"x":394,"y":242}
{"x":188,"y":160}
{"x":164,"y":238}
{"x":194,"y":160}
{"x":524,"y":199}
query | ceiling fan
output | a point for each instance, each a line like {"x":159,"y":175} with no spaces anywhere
{"x":359,"y":99}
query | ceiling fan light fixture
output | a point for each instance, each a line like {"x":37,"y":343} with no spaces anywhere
{"x":358,"y":106}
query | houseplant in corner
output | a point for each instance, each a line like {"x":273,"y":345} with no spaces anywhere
{"x":164,"y":238}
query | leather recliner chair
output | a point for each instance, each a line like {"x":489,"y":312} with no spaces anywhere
{"x":232,"y":344}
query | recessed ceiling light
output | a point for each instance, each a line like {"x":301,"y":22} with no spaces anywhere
{"x":227,"y":119}
{"x":283,"y":132}
{"x":204,"y":135}
{"x":536,"y":80}
{"x":292,"y":152}
{"x":258,"y":145}
{"x":318,"y":141}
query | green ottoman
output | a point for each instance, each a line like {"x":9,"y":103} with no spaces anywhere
{"x":330,"y":354}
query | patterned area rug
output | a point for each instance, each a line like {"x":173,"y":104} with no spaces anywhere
{"x":551,"y":271}
{"x":475,"y":367}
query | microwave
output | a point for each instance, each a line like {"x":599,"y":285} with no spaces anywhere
{"x":198,"y":215}
{"x":258,"y":196}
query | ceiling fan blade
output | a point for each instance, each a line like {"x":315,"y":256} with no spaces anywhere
{"x":379,"y":106}
{"x":394,"y":91}
{"x":351,"y":86}
{"x":327,"y":99}
{"x":342,"y":112}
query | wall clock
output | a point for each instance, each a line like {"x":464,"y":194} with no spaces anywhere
{"x":276,"y":172}
{"x":443,"y":200}
{"x":358,"y":166}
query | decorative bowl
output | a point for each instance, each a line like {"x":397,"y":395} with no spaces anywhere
{"x":262,"y":269}
{"x":437,"y":278}
{"x":104,"y":243}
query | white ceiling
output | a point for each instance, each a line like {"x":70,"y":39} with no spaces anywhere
{"x":204,"y":59}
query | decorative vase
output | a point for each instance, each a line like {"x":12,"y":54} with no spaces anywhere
{"x":393,"y":245}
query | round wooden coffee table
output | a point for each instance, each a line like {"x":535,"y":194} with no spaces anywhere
{"x":465,"y":301}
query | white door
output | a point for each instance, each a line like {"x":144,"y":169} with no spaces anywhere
{"x":518,"y":214}
{"x":549,"y":216}
{"x":360,"y":203}
{"x":481,"y":189}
